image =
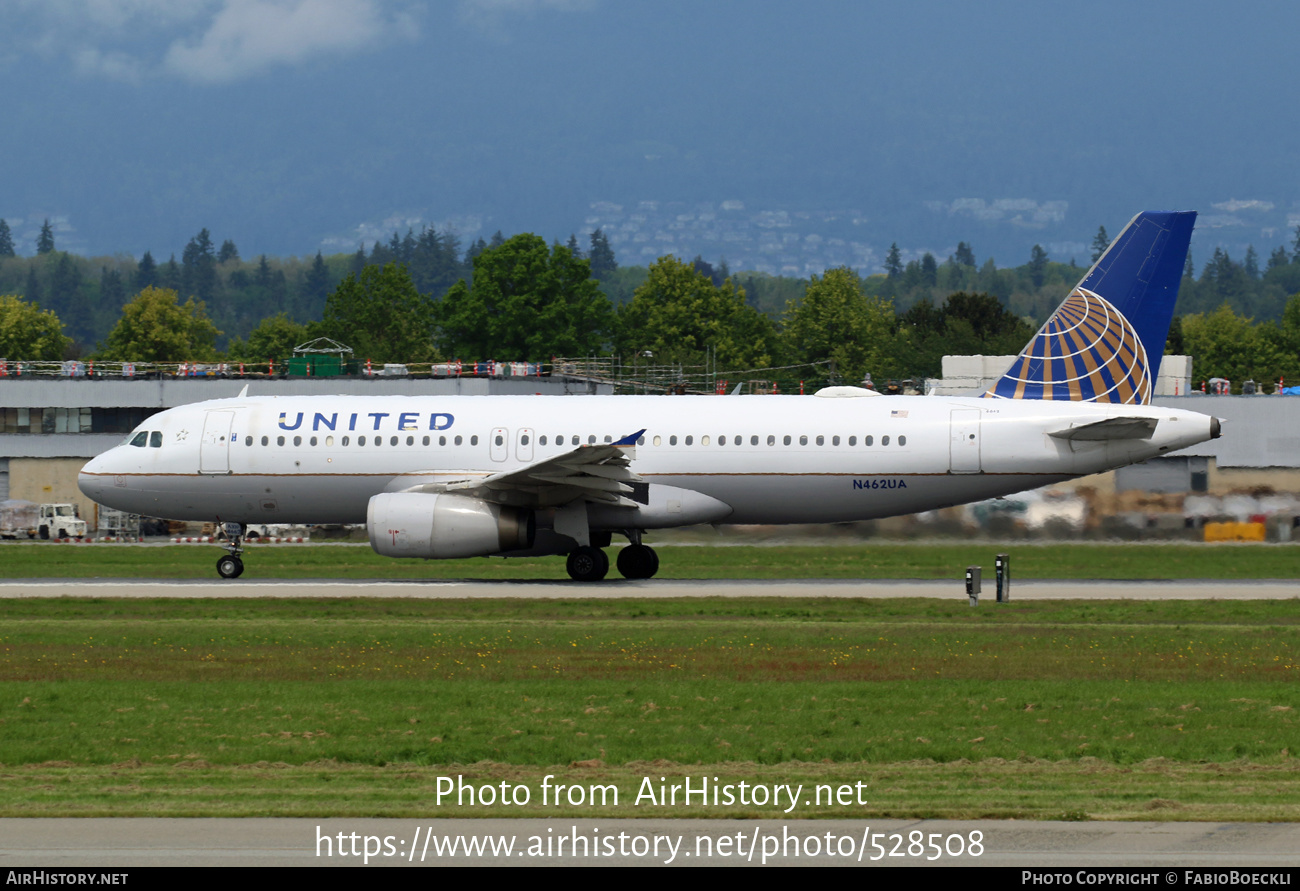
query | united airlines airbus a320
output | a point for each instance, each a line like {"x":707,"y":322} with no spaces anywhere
{"x":448,"y":476}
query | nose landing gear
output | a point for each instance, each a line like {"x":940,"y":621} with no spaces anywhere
{"x":230,"y":566}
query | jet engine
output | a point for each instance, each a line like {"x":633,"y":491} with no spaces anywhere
{"x":412,"y":524}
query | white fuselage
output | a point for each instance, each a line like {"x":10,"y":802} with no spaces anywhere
{"x":772,"y":459}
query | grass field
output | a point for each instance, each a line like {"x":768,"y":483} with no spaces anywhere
{"x":868,"y":560}
{"x":1142,"y":710}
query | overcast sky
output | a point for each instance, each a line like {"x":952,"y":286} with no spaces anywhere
{"x":291,"y":125}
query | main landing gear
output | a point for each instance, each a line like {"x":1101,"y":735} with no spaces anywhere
{"x":230,"y":566}
{"x":590,"y":564}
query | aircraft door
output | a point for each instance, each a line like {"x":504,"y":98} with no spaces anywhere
{"x":524,"y":446}
{"x":499,"y":444}
{"x":964,"y":441}
{"x":214,"y":447}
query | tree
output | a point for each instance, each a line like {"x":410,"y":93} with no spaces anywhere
{"x":381,"y":315}
{"x":6,"y":240}
{"x":1251,"y":264}
{"x":45,"y":243}
{"x":527,"y":301}
{"x":1277,"y":258}
{"x":929,"y":270}
{"x":1295,"y":246}
{"x":601,"y":256}
{"x":146,"y":273}
{"x":228,"y":252}
{"x":679,"y":315}
{"x":32,"y":290}
{"x":1189,"y":270}
{"x":316,"y":285}
{"x":893,"y":262}
{"x":574,"y":247}
{"x":29,"y":333}
{"x":837,"y":321}
{"x":156,"y":327}
{"x":1100,"y":242}
{"x":199,"y":267}
{"x":274,"y":338}
{"x":965,"y":256}
{"x":1037,"y":265}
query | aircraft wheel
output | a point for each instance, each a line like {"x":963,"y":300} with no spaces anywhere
{"x":638,"y":562}
{"x":587,"y":564}
{"x":230,"y":567}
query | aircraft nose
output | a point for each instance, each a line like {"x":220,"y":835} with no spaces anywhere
{"x":90,"y":480}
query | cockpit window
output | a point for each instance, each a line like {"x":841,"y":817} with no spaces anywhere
{"x":141,"y":439}
{"x":155,"y":439}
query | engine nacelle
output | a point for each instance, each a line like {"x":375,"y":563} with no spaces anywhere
{"x":410,"y":524}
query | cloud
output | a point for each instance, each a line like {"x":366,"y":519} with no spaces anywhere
{"x":207,"y":41}
{"x":1024,"y":212}
{"x":490,"y":16}
{"x":1235,"y":205}
{"x":248,"y":36}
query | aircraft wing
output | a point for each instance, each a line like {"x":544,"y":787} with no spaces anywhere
{"x":598,"y":473}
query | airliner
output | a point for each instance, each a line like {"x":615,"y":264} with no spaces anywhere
{"x":462,"y":476}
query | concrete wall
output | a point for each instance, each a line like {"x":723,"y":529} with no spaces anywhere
{"x":51,"y":479}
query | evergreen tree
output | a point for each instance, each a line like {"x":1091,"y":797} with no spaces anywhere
{"x":262,"y":278}
{"x":6,"y":240}
{"x":1189,"y":271}
{"x":1038,"y":265}
{"x":146,"y":273}
{"x":929,"y":270}
{"x":478,"y":247}
{"x":498,"y":239}
{"x":1295,"y":246}
{"x":894,"y":262}
{"x":1277,"y":258}
{"x":169,"y":275}
{"x":45,"y":243}
{"x":574,"y":248}
{"x":1251,"y":263}
{"x":32,"y":290}
{"x":603,"y":264}
{"x":1100,"y":242}
{"x":199,"y":267}
{"x":316,"y":286}
{"x":359,"y":261}
{"x":965,"y":256}
{"x":112,"y":288}
{"x":382,"y":255}
{"x":228,"y":252}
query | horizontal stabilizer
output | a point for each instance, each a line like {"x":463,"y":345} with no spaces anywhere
{"x":1111,"y":428}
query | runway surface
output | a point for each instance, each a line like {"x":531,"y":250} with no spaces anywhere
{"x":315,"y":842}
{"x":656,"y":588}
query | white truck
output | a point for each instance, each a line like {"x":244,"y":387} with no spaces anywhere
{"x":26,"y":519}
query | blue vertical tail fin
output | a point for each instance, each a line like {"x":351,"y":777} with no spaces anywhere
{"x":1105,"y":342}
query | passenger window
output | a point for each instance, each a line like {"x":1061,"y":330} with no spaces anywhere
{"x":500,"y":440}
{"x":867,"y":440}
{"x":541,"y":441}
{"x":155,"y":439}
{"x":140,"y":440}
{"x":393,"y":440}
{"x":442,"y":440}
{"x":426,"y":440}
{"x":473,"y":440}
{"x":591,"y":440}
{"x":248,"y":440}
{"x":346,"y":439}
{"x":523,"y":439}
{"x":853,"y":440}
{"x":821,"y":440}
{"x":329,"y":441}
{"x":786,"y":440}
{"x":609,"y":439}
{"x":902,"y":440}
{"x":753,"y":440}
{"x":297,"y":440}
{"x":771,"y":440}
{"x":835,"y":440}
{"x":266,"y":441}
{"x":722,"y":440}
{"x":379,"y":440}
{"x":279,"y":440}
{"x":361,"y":440}
{"x":640,"y":440}
{"x":704,"y":440}
{"x":672,"y":440}
{"x":689,"y":440}
{"x":458,"y":440}
{"x":313,"y":440}
{"x":884,"y":440}
{"x":658,"y":440}
{"x":803,"y":440}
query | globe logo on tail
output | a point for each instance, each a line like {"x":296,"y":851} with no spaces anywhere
{"x":1087,"y":352}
